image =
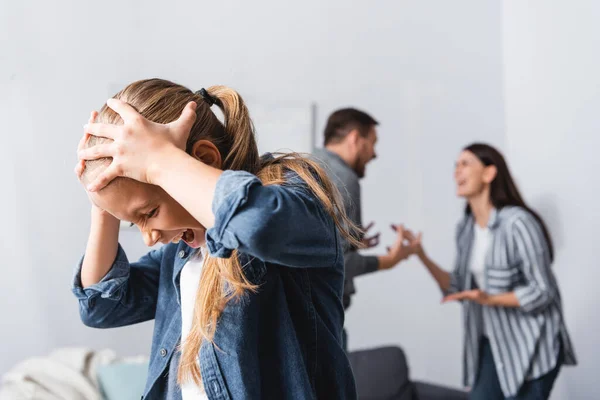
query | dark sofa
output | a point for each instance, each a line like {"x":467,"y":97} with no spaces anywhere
{"x":382,"y":374}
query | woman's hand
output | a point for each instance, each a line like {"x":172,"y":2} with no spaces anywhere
{"x":508,"y":299}
{"x":475,"y":295}
{"x":415,"y":243}
{"x":138,"y":145}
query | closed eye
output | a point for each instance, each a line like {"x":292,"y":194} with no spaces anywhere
{"x":152,"y":213}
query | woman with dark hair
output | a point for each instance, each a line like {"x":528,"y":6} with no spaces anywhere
{"x":515,"y":334}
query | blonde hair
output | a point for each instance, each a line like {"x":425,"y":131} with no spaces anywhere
{"x":222,"y":280}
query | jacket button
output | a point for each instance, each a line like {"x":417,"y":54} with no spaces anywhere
{"x":182,"y":254}
{"x":163,"y":352}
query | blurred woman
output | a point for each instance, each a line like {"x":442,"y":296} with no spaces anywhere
{"x":515,"y":335}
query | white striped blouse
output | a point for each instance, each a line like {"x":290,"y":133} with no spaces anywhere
{"x":525,"y":341}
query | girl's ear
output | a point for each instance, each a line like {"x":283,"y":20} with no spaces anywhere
{"x":208,"y":153}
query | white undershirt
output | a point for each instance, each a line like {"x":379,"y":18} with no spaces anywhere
{"x":189,"y":281}
{"x":481,"y":245}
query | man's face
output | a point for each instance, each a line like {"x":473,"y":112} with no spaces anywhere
{"x":365,"y":151}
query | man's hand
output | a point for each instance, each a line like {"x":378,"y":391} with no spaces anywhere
{"x":372,"y":241}
{"x":400,"y":250}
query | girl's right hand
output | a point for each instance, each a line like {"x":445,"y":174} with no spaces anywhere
{"x":80,"y":167}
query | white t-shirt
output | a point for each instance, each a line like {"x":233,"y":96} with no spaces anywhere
{"x":481,"y":245}
{"x":189,"y":281}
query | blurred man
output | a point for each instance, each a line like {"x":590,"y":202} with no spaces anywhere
{"x":350,"y":138}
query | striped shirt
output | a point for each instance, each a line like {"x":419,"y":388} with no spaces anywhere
{"x":525,"y":341}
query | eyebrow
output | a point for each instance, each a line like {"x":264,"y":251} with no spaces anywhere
{"x":138,"y":210}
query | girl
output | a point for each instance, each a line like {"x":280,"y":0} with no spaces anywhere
{"x":249,"y":281}
{"x":515,"y":335}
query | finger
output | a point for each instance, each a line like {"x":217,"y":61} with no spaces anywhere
{"x":85,"y":136}
{"x":102,"y":130}
{"x":376,"y":236}
{"x":186,"y":120}
{"x":79,"y":168}
{"x":394,"y":227}
{"x":452,"y":297}
{"x":104,"y":178}
{"x":374,"y":242}
{"x":95,"y":152}
{"x":400,"y":232}
{"x":82,"y":141}
{"x":409,"y":235}
{"x":366,"y":228}
{"x":126,"y":111}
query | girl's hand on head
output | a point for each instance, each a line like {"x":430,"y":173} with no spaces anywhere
{"x":80,"y":166}
{"x":137,"y":144}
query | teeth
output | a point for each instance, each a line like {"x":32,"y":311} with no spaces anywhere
{"x":177,"y":238}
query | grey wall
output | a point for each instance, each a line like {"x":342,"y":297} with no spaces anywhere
{"x":430,"y":71}
{"x":552,"y":76}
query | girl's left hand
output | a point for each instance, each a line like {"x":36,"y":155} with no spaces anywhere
{"x":137,"y":144}
{"x":475,"y":295}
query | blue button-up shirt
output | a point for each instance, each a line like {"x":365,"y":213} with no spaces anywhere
{"x":282,"y":342}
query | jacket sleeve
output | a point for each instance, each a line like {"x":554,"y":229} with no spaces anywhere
{"x":457,"y":277}
{"x":358,"y":264}
{"x":537,"y":292}
{"x":283,"y":224}
{"x":125,"y":296}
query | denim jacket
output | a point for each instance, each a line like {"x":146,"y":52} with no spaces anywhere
{"x":282,"y":342}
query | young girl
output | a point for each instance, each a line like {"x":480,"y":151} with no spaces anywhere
{"x":246,"y":291}
{"x":516,"y":339}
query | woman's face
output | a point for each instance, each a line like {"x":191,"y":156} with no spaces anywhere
{"x":158,"y":216}
{"x":471,"y":175}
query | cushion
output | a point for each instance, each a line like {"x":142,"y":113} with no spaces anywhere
{"x":123,"y":380}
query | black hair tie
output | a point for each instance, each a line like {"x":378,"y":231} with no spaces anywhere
{"x":207,"y":97}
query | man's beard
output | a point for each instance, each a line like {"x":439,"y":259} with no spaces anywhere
{"x":359,"y":169}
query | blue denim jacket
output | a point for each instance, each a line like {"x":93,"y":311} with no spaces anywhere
{"x":283,"y":342}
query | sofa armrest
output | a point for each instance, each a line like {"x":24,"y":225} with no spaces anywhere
{"x":381,"y":374}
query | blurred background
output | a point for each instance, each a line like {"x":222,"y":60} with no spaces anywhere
{"x":437,"y":75}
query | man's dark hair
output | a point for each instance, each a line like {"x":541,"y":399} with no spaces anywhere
{"x":343,"y":121}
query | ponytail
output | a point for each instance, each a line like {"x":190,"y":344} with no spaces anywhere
{"x":243,"y":153}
